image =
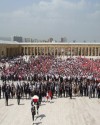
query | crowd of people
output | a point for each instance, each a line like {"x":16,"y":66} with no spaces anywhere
{"x":47,"y":77}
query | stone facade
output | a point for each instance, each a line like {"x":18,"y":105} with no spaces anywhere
{"x":55,"y":49}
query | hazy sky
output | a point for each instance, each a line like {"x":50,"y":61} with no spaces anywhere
{"x":76,"y":19}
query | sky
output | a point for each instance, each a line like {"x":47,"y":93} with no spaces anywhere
{"x":41,"y":19}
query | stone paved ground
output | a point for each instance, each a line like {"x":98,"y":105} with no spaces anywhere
{"x":61,"y":111}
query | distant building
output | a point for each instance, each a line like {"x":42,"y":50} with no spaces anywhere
{"x":28,"y":39}
{"x":35,"y":40}
{"x":63,"y":39}
{"x":74,"y":41}
{"x":44,"y":41}
{"x":18,"y":38}
{"x":50,"y":40}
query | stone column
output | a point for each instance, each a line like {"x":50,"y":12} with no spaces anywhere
{"x":64,"y":51}
{"x":88,"y":51}
{"x":60,"y":51}
{"x":84,"y":51}
{"x":11,"y":51}
{"x":54,"y":51}
{"x":77,"y":51}
{"x":98,"y":51}
{"x":57,"y":51}
{"x":34,"y":52}
{"x":30,"y":50}
{"x":71,"y":50}
{"x":47,"y":50}
{"x":81,"y":51}
{"x":37,"y":51}
{"x":27,"y":50}
{"x":91,"y":51}
{"x":24,"y":50}
{"x":95,"y":52}
{"x":44,"y":50}
{"x":8,"y":52}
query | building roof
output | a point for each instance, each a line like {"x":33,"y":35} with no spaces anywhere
{"x":49,"y":43}
{"x":59,"y":43}
{"x":8,"y":42}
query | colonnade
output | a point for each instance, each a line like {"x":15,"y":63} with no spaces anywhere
{"x":61,"y":50}
{"x":55,"y":50}
{"x":12,"y":51}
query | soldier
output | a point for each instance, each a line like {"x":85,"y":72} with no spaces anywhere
{"x":33,"y":111}
{"x":6,"y":96}
{"x":98,"y":91}
{"x":40,"y":97}
{"x":0,"y":91}
{"x":18,"y":96}
{"x":90,"y":90}
{"x":70,"y":91}
{"x":37,"y":107}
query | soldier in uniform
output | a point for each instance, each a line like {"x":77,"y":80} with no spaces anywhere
{"x":6,"y":96}
{"x":33,"y":111}
{"x":0,"y":91}
{"x":70,"y":90}
{"x":37,"y":107}
{"x":18,"y":97}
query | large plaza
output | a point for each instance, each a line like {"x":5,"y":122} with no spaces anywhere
{"x":61,"y":111}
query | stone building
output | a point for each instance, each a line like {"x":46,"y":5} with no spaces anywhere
{"x":12,"y":48}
